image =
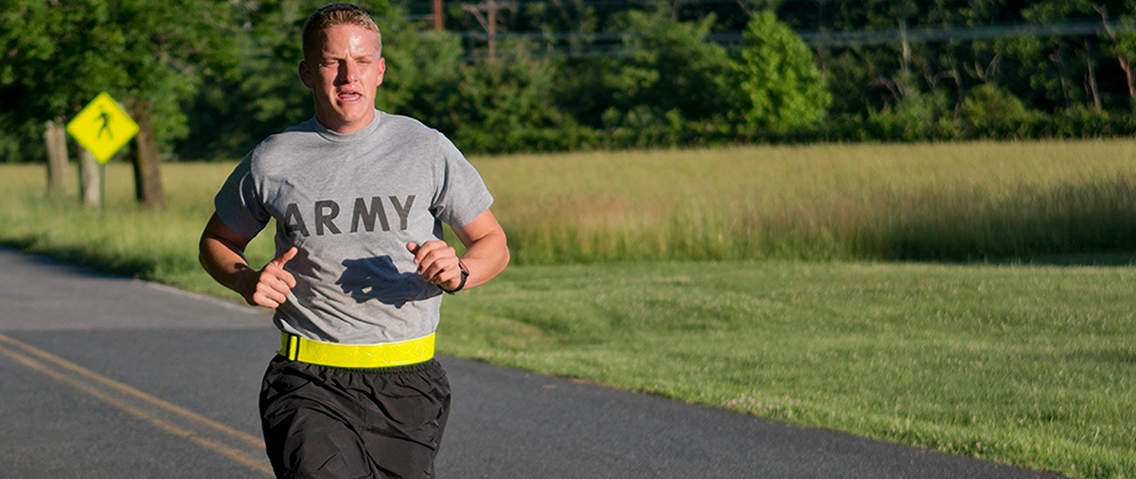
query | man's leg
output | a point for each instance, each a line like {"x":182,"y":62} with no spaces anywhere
{"x":307,"y":433}
{"x":403,"y":426}
{"x":346,"y":423}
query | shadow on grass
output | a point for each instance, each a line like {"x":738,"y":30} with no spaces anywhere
{"x":1086,"y":224}
{"x":1110,"y":356}
{"x":1121,"y":258}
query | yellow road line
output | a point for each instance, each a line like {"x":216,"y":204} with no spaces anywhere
{"x":214,"y":445}
{"x":183,"y":412}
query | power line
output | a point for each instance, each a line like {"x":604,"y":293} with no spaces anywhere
{"x":600,"y":3}
{"x":592,"y":37}
{"x":621,"y":2}
{"x":733,"y":39}
{"x":1072,"y":28}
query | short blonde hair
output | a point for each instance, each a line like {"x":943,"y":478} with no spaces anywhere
{"x":338,"y":14}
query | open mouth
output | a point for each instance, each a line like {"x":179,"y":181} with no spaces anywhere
{"x":348,"y":96}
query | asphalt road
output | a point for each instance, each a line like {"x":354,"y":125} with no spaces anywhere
{"x":109,"y":377}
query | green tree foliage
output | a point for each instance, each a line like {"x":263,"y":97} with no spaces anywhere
{"x":992,"y":112}
{"x":13,"y":150}
{"x":783,"y":88}
{"x":507,"y":106}
{"x":225,"y":75}
{"x":424,"y":77}
{"x":483,"y":107}
{"x":915,"y":117}
{"x":583,"y":89}
{"x":60,"y":54}
{"x":265,"y":96}
{"x":673,"y":69}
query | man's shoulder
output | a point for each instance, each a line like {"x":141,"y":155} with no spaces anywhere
{"x":281,"y":145}
{"x":405,"y":126}
{"x":299,"y":133}
{"x":411,"y":135}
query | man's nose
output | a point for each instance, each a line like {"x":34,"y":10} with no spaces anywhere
{"x":348,"y":71}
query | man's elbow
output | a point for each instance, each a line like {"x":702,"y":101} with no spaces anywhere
{"x":203,"y":252}
{"x":505,"y":255}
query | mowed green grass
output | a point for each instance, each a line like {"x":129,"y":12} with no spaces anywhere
{"x":1029,"y":365}
{"x":1023,"y":363}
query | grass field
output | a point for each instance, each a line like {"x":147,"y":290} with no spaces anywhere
{"x":1016,"y":359}
{"x":1027,"y":365}
{"x":938,"y":201}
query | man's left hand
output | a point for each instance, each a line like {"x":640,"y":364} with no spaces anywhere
{"x":437,"y":263}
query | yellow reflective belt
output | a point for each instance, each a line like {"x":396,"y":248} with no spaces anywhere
{"x":356,"y":356}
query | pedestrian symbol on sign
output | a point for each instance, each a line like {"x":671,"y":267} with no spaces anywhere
{"x":102,"y":127}
{"x":105,"y":118}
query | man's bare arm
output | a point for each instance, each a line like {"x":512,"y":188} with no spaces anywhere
{"x":221,"y":252}
{"x":486,"y":255}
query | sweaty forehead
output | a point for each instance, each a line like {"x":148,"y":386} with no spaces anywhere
{"x":347,"y":40}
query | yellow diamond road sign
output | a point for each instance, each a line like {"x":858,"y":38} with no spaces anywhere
{"x":102,"y":127}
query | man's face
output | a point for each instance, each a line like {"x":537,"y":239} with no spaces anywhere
{"x":343,"y":75}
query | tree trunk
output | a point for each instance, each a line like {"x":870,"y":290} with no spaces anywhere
{"x":55,"y":138}
{"x":959,"y":88}
{"x":1126,"y":65}
{"x":1092,"y":78}
{"x":906,"y":46}
{"x":1059,"y":59}
{"x":1125,"y":61}
{"x":88,"y":178}
{"x":147,"y":167}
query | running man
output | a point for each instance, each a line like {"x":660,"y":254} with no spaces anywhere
{"x":359,"y":197}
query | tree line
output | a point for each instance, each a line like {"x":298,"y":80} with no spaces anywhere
{"x":214,"y":77}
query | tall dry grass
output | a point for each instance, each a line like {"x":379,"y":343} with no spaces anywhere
{"x":930,"y":201}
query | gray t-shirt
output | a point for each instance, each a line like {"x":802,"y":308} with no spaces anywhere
{"x":350,"y":203}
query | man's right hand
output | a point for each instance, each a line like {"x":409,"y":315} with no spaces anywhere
{"x":270,"y":286}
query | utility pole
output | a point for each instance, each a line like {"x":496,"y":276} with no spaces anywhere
{"x":438,"y":24}
{"x":486,"y":15}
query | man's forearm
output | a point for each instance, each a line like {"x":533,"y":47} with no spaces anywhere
{"x":225,"y":263}
{"x":485,"y":258}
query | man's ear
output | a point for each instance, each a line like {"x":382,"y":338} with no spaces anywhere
{"x":382,"y":70}
{"x":306,"y":75}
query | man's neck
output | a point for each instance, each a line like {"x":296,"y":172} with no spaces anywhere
{"x":347,"y":128}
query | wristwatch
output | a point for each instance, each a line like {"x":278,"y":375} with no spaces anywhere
{"x":465,"y":276}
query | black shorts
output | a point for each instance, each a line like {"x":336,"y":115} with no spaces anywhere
{"x":323,"y":422}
